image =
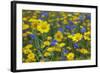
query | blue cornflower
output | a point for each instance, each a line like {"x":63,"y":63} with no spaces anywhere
{"x":76,"y":45}
{"x":61,"y":29}
{"x":70,"y":22}
{"x":73,"y":26}
{"x":43,"y":13}
{"x":68,"y":27}
{"x":32,"y":36}
{"x":41,"y":18}
{"x":53,"y":43}
{"x":65,"y":51}
{"x":81,"y":18}
{"x":88,"y":17}
{"x":83,"y":30}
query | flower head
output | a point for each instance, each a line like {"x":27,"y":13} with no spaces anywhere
{"x":46,"y":54}
{"x":31,"y":57}
{"x":25,"y":26}
{"x":83,"y":30}
{"x":70,"y":56}
{"x":65,"y":51}
{"x":32,"y":36}
{"x":83,"y":51}
{"x":35,"y":23}
{"x":46,"y":43}
{"x":77,"y":37}
{"x":87,"y":35}
{"x":43,"y":27}
{"x":76,"y":45}
{"x":58,"y":36}
{"x":53,"y":43}
{"x":61,"y":29}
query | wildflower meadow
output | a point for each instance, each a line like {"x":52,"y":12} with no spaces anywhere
{"x":55,"y":36}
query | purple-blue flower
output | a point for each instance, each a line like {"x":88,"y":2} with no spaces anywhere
{"x":43,"y":13}
{"x":32,"y":36}
{"x":88,"y":17}
{"x":68,"y":27}
{"x":83,"y":30}
{"x":61,"y":29}
{"x":70,"y":22}
{"x":65,"y":51}
{"x":53,"y":43}
{"x":76,"y":45}
{"x":81,"y":18}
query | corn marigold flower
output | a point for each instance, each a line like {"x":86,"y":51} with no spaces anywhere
{"x":61,"y":45}
{"x":26,"y":50}
{"x":46,"y":43}
{"x":58,"y":36}
{"x":25,"y":26}
{"x":77,"y":37}
{"x":31,"y":57}
{"x":46,"y":54}
{"x":57,"y":49}
{"x":35,"y":23}
{"x":50,"y":49}
{"x":87,"y":35}
{"x":43,"y":27}
{"x":29,"y":46}
{"x":83,"y":51}
{"x":49,"y":38}
{"x":70,"y":56}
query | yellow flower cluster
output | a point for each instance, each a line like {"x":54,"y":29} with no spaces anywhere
{"x":41,"y":26}
{"x":76,"y":37}
{"x":30,"y":55}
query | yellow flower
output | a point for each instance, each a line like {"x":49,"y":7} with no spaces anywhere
{"x":43,"y":27}
{"x":49,"y":38}
{"x":35,"y":23}
{"x":26,"y":51}
{"x":25,"y":26}
{"x":28,"y":46}
{"x":75,"y":18}
{"x":46,"y":54}
{"x":76,"y":37}
{"x":84,"y":51}
{"x":50,"y":49}
{"x":57,"y":49}
{"x":31,"y":57}
{"x":70,"y":56}
{"x":46,"y":43}
{"x":58,"y":36}
{"x":61,"y":45}
{"x":87,"y":35}
{"x":69,"y":36}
